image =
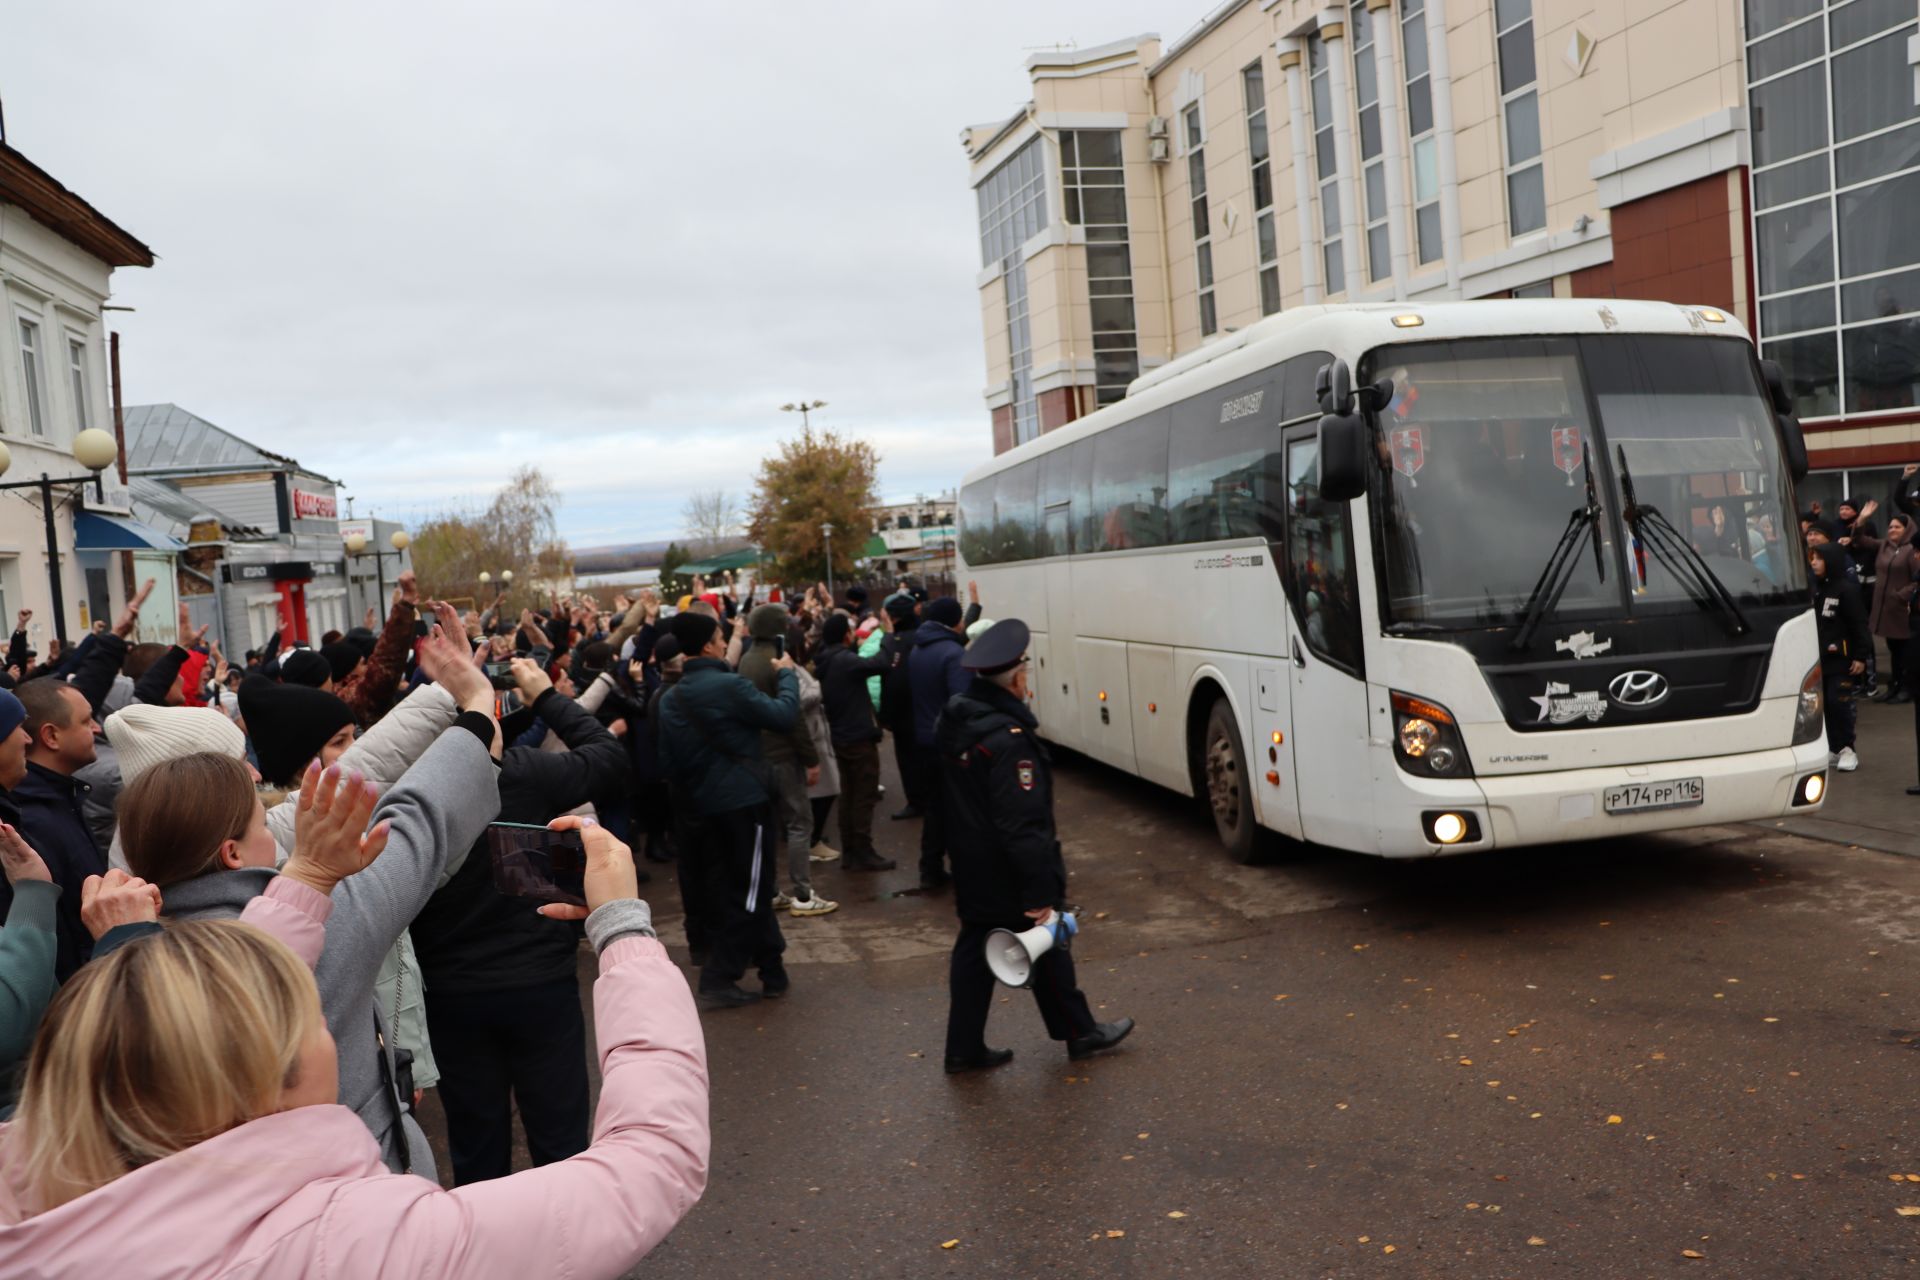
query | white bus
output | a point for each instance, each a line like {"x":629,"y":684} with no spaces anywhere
{"x":1413,"y":579}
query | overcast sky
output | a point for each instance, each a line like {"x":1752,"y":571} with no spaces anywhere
{"x":413,"y":245}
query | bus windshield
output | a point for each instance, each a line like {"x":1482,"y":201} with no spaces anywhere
{"x":1484,"y":456}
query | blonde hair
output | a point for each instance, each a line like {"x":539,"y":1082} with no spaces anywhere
{"x":171,"y":1040}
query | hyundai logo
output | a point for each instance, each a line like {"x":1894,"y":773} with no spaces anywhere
{"x":1639,"y":689}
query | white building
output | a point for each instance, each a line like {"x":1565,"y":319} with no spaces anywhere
{"x":57,"y":257}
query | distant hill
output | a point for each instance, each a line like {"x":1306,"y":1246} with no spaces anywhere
{"x":612,"y":559}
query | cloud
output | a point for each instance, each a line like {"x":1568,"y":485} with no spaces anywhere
{"x":415,"y":246}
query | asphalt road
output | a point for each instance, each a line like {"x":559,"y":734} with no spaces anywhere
{"x":1589,"y":1061}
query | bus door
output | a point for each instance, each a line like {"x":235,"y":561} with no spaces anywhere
{"x":1331,"y":762}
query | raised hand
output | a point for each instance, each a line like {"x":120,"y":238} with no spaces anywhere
{"x":446,"y":664}
{"x":531,"y":679}
{"x":409,"y":588}
{"x":130,"y":616}
{"x":190,"y":637}
{"x":18,"y":859}
{"x":330,"y":836}
{"x":22,"y":619}
{"x":115,"y":899}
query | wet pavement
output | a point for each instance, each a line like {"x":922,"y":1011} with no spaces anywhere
{"x":1591,"y":1061}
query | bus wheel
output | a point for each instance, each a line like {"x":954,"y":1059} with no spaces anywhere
{"x":1230,"y":797}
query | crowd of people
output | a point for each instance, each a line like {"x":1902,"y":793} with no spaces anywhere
{"x":250,"y":913}
{"x":1864,"y":587}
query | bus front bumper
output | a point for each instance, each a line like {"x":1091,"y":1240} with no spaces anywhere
{"x":1564,"y":805}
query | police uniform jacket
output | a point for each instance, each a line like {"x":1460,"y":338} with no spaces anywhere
{"x":999,"y":793}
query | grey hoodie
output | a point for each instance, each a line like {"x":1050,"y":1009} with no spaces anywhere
{"x":444,"y":802}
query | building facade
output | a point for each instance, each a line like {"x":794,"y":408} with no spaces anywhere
{"x":918,"y":537}
{"x":264,"y":548}
{"x":57,"y":257}
{"x":1747,"y":154}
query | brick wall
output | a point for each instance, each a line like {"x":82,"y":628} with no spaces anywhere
{"x":1676,"y":246}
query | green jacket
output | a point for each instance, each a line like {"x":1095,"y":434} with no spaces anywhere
{"x":756,"y":666}
{"x":26,"y":973}
{"x":869,"y":647}
{"x":710,"y":725}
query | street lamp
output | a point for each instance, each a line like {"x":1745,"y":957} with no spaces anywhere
{"x":826,"y":531}
{"x":506,"y":581}
{"x":803,"y":408}
{"x":93,"y":449}
{"x":357,"y":547}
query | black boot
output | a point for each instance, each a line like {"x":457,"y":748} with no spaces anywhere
{"x":731,"y":996}
{"x":985,"y":1062}
{"x":1105,"y":1036}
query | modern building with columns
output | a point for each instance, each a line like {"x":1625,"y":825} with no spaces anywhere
{"x":1754,"y":155}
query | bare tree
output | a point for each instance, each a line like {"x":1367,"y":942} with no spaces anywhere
{"x":713,"y":520}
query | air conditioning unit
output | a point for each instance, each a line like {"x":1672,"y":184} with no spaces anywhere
{"x":1157,"y":127}
{"x":1158,"y":151}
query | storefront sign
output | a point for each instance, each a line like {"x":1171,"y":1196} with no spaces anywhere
{"x":308,"y":505}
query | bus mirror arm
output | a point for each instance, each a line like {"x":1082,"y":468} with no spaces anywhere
{"x":1333,"y":385}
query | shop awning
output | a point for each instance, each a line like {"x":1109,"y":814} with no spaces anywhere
{"x":93,"y":531}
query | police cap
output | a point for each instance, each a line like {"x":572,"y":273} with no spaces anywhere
{"x":1002,"y":647}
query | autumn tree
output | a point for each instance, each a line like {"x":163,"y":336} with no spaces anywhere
{"x":712,"y":519}
{"x":817,"y":478}
{"x":673,"y":584}
{"x":517,"y":530}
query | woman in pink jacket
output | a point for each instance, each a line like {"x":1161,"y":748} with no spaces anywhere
{"x":217,"y":1154}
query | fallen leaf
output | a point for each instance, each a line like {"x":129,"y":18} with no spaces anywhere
{"x":1769,"y":1019}
{"x":1913,"y":1177}
{"x":1606,"y":977}
{"x":1535,"y":1241}
{"x":1339,"y":1106}
{"x":1719,"y":995}
{"x":1099,"y":915}
{"x":1366,"y":1239}
{"x":1115,"y":1235}
{"x":1613,"y":1119}
{"x":1909,"y":1211}
{"x":1692,"y":1253}
{"x":1361,"y":946}
{"x":1534,"y":1116}
{"x":1493,"y":1084}
{"x":916,"y":1054}
{"x":1658,"y":1057}
{"x":1282,"y":997}
{"x":949,"y":1244}
{"x":1466,"y":1062}
{"x":1386,"y":1248}
{"x":1493,"y":1208}
{"x":1472,"y":1204}
{"x":1176,"y":1214}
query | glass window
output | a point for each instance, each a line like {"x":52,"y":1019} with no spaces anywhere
{"x":34,"y":373}
{"x":77,"y":372}
{"x":1326,"y":159}
{"x":1812,"y":368}
{"x":1877,"y":226}
{"x":1875,"y":157}
{"x":1788,"y":49}
{"x":1883,"y":366}
{"x":1527,"y":200}
{"x":1130,"y":483}
{"x":1202,"y":227}
{"x":1026,"y":405}
{"x":1792,"y":312}
{"x":1226,"y":471}
{"x":1426,"y":222}
{"x":1012,"y":202}
{"x":1877,"y":299}
{"x":1056,"y":493}
{"x":1862,"y":18}
{"x":1320,"y":574}
{"x":1094,"y":182}
{"x":1872,"y":86}
{"x":1789,"y":182}
{"x":1796,"y":246}
{"x":1015,"y":516}
{"x":1523,"y":128}
{"x":976,"y":522}
{"x":1520,"y":106}
{"x":1767,"y":15}
{"x":1789,"y":116}
{"x":1253,"y":85}
{"x":1086,"y":520}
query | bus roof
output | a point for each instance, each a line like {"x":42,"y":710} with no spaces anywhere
{"x":1351,"y":329}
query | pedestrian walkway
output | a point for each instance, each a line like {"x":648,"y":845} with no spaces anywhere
{"x":1870,"y":807}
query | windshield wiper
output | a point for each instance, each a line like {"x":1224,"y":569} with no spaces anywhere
{"x":1582,"y":524}
{"x":1688,"y":567}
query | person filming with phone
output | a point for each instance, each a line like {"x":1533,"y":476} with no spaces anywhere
{"x":502,"y":984}
{"x":709,"y":727}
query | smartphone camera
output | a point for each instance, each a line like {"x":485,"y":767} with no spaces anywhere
{"x":500,"y":674}
{"x":538,"y":863}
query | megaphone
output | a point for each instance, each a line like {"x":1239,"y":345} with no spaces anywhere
{"x":1011,"y":955}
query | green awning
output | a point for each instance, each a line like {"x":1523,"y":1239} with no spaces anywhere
{"x":744,"y":558}
{"x":875,"y":549}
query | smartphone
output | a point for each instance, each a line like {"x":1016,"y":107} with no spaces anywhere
{"x":500,"y":675}
{"x":538,"y":863}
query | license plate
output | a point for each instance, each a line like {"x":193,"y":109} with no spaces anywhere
{"x":1640,"y":797}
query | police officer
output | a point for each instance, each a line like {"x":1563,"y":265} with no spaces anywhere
{"x":1007,"y":869}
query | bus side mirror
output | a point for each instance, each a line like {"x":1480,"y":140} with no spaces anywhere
{"x":1343,"y":457}
{"x":1333,"y":384}
{"x":1792,"y":439}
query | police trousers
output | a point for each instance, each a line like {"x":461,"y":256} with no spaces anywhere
{"x":971,"y":987}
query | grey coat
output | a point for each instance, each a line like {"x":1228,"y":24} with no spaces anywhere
{"x":444,"y":802}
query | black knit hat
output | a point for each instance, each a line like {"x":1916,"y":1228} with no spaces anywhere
{"x":305,"y":666}
{"x":343,"y":656}
{"x":946,"y":611}
{"x":836,"y":629}
{"x":288,"y":724}
{"x":693,"y":630}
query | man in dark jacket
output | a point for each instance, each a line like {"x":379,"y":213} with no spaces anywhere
{"x":1007,"y":868}
{"x":709,"y":727}
{"x":856,"y":739}
{"x":503,"y":996}
{"x":896,"y":700}
{"x":1842,"y":622}
{"x":934,"y":674}
{"x":792,"y":757}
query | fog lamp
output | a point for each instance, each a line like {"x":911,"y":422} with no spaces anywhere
{"x":1449,"y":828}
{"x":1812,"y":789}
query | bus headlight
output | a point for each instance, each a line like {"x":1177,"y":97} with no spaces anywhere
{"x":1426,"y":741}
{"x":1809,"y":713}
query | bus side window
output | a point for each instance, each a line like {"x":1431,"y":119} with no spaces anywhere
{"x":1320,"y":574}
{"x":976,"y":522}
